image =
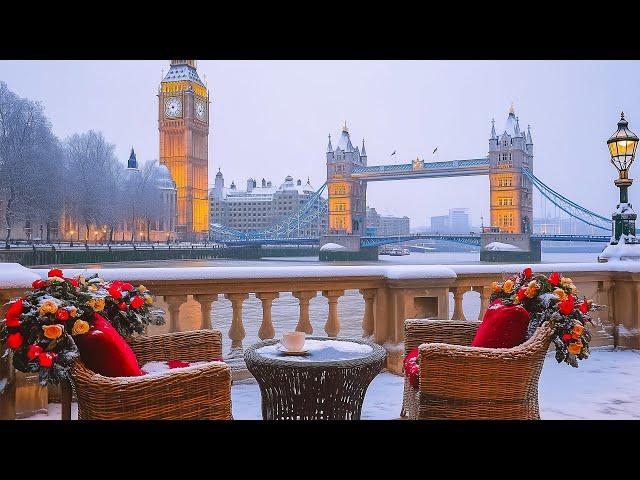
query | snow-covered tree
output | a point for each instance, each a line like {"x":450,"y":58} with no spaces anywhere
{"x":28,"y":150}
{"x":90,"y":164}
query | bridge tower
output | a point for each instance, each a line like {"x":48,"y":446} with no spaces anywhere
{"x":347,"y":196}
{"x":511,"y":194}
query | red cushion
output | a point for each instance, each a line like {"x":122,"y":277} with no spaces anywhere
{"x":103,"y":350}
{"x":411,"y":367}
{"x":503,"y":326}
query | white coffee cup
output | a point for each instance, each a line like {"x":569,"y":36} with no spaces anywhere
{"x":293,"y":341}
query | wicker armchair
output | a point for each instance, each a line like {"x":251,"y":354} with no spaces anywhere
{"x":458,"y":381}
{"x":199,"y":393}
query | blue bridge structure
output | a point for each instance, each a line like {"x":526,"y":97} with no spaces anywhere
{"x":340,"y":203}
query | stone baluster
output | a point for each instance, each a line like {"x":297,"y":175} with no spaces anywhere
{"x":304,"y":323}
{"x":236,"y":332}
{"x":485,"y":294}
{"x":266,"y":328}
{"x":458,"y":312}
{"x":611,"y":313}
{"x":174,"y":302}
{"x":206,"y":304}
{"x":332,"y":327}
{"x":369,"y":295}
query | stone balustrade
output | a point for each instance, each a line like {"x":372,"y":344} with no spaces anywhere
{"x":390,"y":295}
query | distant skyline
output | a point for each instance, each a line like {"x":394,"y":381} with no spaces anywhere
{"x":271,"y":118}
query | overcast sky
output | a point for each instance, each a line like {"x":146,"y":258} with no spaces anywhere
{"x":271,"y":118}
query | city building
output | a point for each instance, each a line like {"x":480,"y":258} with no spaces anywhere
{"x":260,"y":205}
{"x":183,"y":122}
{"x":440,"y":224}
{"x":347,"y":210}
{"x":563,"y":226}
{"x":459,"y":220}
{"x":456,"y":222}
{"x":383,"y":225}
{"x":511,"y":193}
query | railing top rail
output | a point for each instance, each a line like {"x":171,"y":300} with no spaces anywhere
{"x":15,"y":276}
{"x":395,"y":272}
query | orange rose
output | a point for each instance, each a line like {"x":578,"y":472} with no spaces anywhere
{"x":531,"y":292}
{"x":574,"y":348}
{"x":508,"y":286}
{"x":561,"y":294}
{"x":48,"y":306}
{"x":496,"y":287}
{"x":52,"y":331}
{"x":577,"y":329}
{"x":80,"y":327}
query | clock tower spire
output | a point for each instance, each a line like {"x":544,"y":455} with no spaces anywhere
{"x":183,"y":122}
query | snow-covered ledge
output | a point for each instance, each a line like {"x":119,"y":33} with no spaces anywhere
{"x":627,"y":249}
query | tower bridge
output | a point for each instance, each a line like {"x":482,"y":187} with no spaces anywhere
{"x":508,"y":165}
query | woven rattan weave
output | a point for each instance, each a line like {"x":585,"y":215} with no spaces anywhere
{"x":305,"y":389}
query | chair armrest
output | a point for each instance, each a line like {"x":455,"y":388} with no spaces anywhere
{"x":193,"y":346}
{"x":457,"y":332}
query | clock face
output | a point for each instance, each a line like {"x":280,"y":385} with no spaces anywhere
{"x":173,"y":107}
{"x":200,"y":110}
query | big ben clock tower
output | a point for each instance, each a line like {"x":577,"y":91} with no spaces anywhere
{"x":183,"y":121}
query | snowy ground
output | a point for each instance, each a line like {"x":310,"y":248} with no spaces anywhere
{"x":606,"y":386}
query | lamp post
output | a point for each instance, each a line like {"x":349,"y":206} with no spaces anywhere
{"x":71,"y":238}
{"x":622,"y":147}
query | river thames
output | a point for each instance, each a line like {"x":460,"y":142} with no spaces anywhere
{"x":285,"y":308}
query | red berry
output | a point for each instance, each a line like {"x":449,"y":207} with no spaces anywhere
{"x":33,"y":351}
{"x":15,"y":340}
{"x":46,"y":359}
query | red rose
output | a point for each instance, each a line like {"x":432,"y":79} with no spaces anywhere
{"x":15,"y":340}
{"x":521,"y":293}
{"x":527,"y":272}
{"x":62,"y":315}
{"x":56,"y":272}
{"x":122,"y":306}
{"x":39,"y":284}
{"x":13,"y":314}
{"x":554,"y":278}
{"x":46,"y":359}
{"x":566,"y":337}
{"x":127,"y":286}
{"x":137,"y":301}
{"x":114,"y":292}
{"x":72,"y":281}
{"x":33,"y":351}
{"x":566,"y":306}
{"x":584,"y":307}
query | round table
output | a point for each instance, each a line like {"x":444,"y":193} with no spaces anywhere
{"x":327,"y":384}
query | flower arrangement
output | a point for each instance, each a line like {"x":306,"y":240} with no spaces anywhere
{"x":128,"y":308}
{"x":39,"y":326}
{"x":555,"y":299}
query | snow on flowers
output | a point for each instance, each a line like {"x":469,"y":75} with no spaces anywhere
{"x":39,"y":327}
{"x":129,"y":309}
{"x":555,"y":299}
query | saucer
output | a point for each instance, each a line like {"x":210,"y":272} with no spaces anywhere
{"x":283,"y":350}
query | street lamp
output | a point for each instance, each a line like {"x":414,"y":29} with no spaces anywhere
{"x":71,"y":238}
{"x":622,"y":147}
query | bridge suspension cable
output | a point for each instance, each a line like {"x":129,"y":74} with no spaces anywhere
{"x":299,"y":224}
{"x":571,"y":208}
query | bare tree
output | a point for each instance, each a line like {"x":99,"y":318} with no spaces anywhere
{"x":27,"y":147}
{"x":90,"y":164}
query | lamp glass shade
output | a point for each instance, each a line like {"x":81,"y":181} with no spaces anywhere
{"x":622,"y":146}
